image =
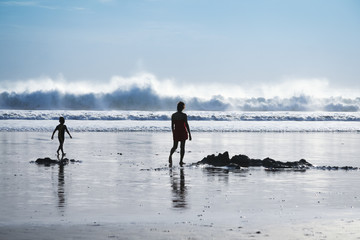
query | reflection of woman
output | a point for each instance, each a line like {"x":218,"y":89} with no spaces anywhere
{"x":181,"y":131}
{"x":178,"y":189}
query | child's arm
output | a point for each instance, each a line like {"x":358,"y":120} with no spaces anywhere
{"x":52,"y":136}
{"x":66,"y":129}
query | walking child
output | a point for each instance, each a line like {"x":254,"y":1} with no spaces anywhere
{"x":61,"y":134}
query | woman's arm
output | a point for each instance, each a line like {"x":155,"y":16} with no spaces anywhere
{"x":188,"y":128}
{"x":172,"y":123}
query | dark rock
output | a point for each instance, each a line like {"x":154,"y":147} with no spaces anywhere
{"x":347,"y":168}
{"x":220,"y":160}
{"x":303,"y":162}
{"x":48,"y":161}
{"x":245,"y":161}
{"x":271,"y":163}
{"x":335,"y":168}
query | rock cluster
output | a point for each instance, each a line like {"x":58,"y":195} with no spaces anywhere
{"x":48,"y":161}
{"x":237,"y":161}
{"x":240,"y":160}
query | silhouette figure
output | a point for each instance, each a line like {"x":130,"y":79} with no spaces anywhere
{"x":61,"y":134}
{"x":181,"y":132}
{"x":178,"y":189}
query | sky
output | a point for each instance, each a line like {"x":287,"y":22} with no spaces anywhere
{"x":231,"y":47}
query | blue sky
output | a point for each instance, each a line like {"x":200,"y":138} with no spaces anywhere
{"x":237,"y":42}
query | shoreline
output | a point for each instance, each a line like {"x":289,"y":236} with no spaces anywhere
{"x":107,"y":195}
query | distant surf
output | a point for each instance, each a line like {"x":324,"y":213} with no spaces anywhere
{"x":277,"y":116}
{"x":200,"y":121}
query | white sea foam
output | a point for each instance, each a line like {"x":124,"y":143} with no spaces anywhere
{"x":200,"y":121}
{"x":145,"y":91}
{"x":146,"y":99}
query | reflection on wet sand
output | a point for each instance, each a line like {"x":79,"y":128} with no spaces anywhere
{"x":179,"y":190}
{"x":61,"y":185}
{"x":223,"y":174}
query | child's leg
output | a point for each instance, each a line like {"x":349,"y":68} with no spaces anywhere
{"x":62,"y":148}
{"x":61,"y":144}
{"x":59,"y":148}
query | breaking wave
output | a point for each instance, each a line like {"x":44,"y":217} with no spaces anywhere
{"x":144,"y":91}
{"x":138,"y":98}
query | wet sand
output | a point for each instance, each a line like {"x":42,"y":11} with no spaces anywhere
{"x":123,"y":189}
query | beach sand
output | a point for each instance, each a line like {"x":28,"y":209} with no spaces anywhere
{"x":123,"y":189}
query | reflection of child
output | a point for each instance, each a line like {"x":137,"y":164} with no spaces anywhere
{"x":61,"y":135}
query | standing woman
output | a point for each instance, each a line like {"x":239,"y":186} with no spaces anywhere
{"x":181,"y":132}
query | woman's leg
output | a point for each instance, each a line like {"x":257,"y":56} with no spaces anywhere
{"x":182,"y":151}
{"x":173,"y":149}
